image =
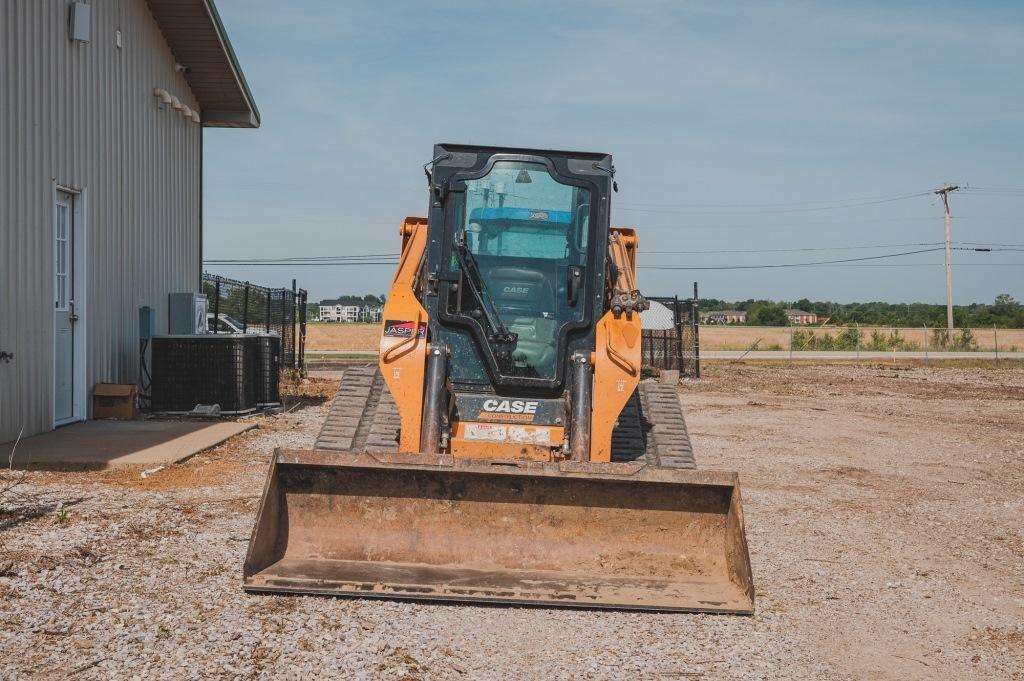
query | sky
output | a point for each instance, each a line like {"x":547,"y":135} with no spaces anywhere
{"x":758,"y":127}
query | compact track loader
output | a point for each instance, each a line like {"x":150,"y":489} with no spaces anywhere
{"x":504,"y":448}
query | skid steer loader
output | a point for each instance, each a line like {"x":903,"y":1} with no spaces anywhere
{"x":504,"y":448}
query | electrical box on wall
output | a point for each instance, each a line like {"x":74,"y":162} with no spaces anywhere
{"x":187,"y":314}
{"x":147,"y":322}
{"x":78,"y":23}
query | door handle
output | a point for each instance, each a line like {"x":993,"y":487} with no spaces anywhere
{"x":72,"y":317}
{"x":575,"y":276}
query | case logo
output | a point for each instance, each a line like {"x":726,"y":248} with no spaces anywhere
{"x":511,"y":406}
{"x":497,"y":409}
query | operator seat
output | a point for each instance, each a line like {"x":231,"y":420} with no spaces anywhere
{"x":526,"y":302}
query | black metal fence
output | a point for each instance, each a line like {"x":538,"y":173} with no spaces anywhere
{"x":676,"y":347}
{"x":242,"y":307}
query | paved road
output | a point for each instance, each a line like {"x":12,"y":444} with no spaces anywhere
{"x":816,"y":354}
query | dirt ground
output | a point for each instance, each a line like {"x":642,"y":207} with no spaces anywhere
{"x":884,"y":515}
{"x":340,"y":337}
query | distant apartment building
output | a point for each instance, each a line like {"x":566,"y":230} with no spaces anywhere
{"x":726,"y":317}
{"x":801,"y":317}
{"x":350,"y":310}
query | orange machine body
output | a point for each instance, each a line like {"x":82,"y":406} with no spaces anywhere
{"x":403,"y":352}
{"x":403,"y":343}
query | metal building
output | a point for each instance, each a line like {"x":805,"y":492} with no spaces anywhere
{"x":102,"y":110}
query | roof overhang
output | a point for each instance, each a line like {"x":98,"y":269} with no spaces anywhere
{"x":196,"y":36}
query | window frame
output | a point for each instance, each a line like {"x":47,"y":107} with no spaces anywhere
{"x":454,"y":217}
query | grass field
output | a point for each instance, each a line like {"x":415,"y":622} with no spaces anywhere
{"x":341,"y":336}
{"x":344,"y":337}
{"x":778,"y":338}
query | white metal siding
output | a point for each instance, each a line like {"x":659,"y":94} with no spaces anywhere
{"x":84,"y":116}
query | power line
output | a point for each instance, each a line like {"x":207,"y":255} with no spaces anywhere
{"x":279,"y":220}
{"x":993,"y":190}
{"x":806,"y":264}
{"x":387,"y":259}
{"x":655,"y":267}
{"x":298,"y":258}
{"x":790,"y":264}
{"x":975,"y":246}
{"x":798,"y":250}
{"x":875,"y":265}
{"x":351,"y":263}
{"x":933,"y":264}
{"x":779,"y":210}
{"x":329,"y":263}
{"x":365,"y":223}
{"x":788,"y":225}
{"x":346,"y":258}
{"x":857,"y":199}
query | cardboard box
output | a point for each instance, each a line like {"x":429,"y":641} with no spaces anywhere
{"x":113,"y":401}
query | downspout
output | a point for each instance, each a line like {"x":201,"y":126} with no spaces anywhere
{"x":201,"y":164}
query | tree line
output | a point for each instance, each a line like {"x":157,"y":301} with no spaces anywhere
{"x":1004,"y":312}
{"x":369,"y":298}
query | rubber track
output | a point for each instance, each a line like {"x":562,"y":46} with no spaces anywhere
{"x":629,"y":437}
{"x":652,"y":427}
{"x":362,"y":416}
{"x":668,"y":440}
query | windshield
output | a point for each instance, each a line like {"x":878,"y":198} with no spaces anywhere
{"x":526,"y":232}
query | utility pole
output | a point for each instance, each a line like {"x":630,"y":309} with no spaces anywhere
{"x":944,"y":193}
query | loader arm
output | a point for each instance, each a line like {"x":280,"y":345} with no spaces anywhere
{"x":403,"y":343}
{"x":617,"y":351}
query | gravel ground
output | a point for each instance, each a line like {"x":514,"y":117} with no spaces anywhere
{"x":883,"y":511}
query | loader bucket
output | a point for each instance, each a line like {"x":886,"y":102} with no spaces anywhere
{"x":429,"y":527}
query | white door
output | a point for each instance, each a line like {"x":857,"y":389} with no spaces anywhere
{"x":64,"y":317}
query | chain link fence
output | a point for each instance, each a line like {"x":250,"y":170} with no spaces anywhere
{"x":675,"y":347}
{"x":242,"y":307}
